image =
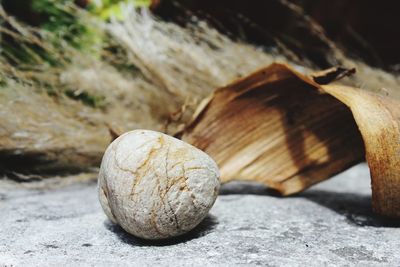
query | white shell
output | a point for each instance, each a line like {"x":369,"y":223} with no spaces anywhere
{"x":156,"y":186}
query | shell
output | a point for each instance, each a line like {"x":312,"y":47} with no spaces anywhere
{"x":156,"y":186}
